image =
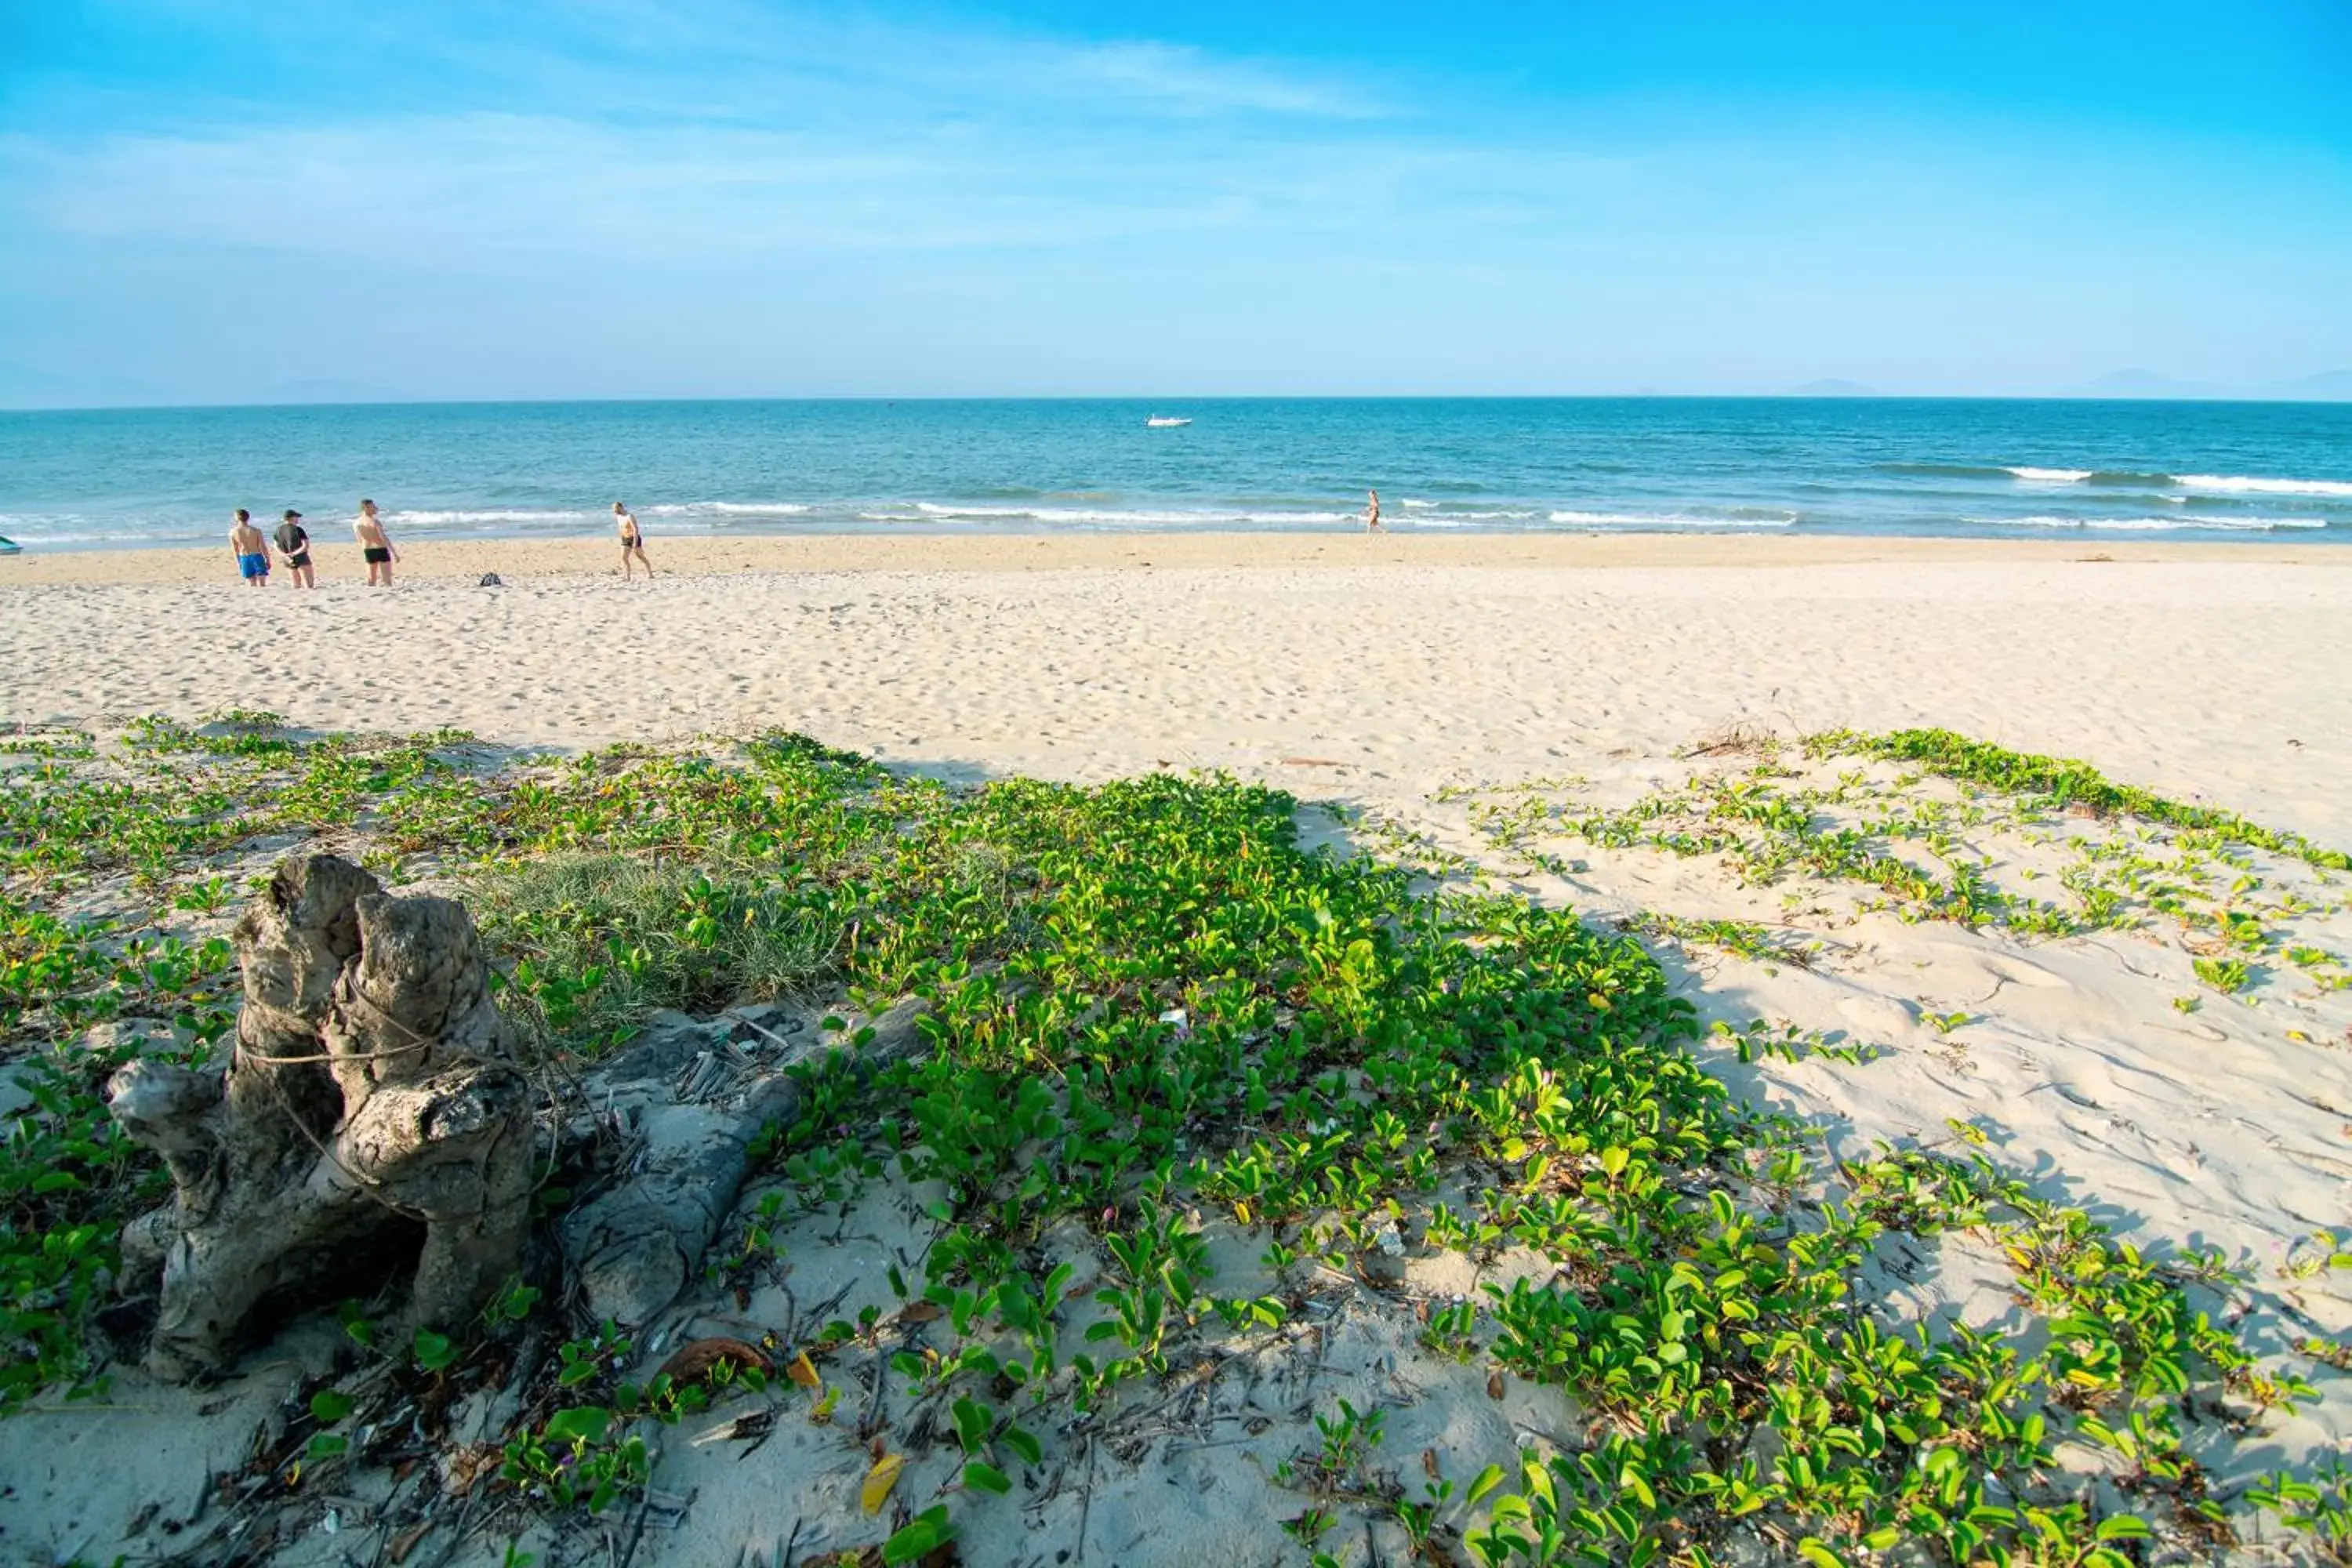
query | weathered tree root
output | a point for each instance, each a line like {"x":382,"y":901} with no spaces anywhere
{"x":371,"y":1109}
{"x":633,"y":1249}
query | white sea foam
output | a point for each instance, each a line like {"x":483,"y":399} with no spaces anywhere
{"x":2151,"y":524}
{"x":725,"y":509}
{"x":1670,"y":520}
{"x":2228,"y":484}
{"x":1110,"y":516}
{"x":1418,"y":505}
{"x":27,"y":536}
{"x":513,"y":514}
{"x":2053,"y":476}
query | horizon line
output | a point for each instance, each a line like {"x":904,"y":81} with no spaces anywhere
{"x":1174,"y":399}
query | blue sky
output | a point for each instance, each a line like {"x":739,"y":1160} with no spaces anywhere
{"x":233,"y":202}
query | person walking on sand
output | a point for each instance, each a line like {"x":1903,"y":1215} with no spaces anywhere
{"x":251,"y":550}
{"x":1372,"y":513}
{"x":374,"y":545}
{"x":633,"y":543}
{"x":294,"y":544}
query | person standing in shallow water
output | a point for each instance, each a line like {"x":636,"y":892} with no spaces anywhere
{"x":1372,"y":512}
{"x":294,"y":544}
{"x":251,"y":550}
{"x":375,"y":546}
{"x":633,"y":543}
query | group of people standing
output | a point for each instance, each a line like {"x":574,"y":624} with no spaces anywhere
{"x":292,"y":541}
{"x":252,"y":548}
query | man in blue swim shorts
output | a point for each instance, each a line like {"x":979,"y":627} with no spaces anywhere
{"x":252,"y":551}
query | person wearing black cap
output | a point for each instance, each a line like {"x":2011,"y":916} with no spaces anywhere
{"x":294,"y":544}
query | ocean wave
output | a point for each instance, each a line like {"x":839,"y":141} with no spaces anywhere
{"x":1105,"y":515}
{"x":2152,"y":525}
{"x":1461,"y":519}
{"x":1446,"y":510}
{"x":2233,"y":485}
{"x":2142,"y":478}
{"x":1743,"y":517}
{"x":26,"y":537}
{"x":1948,"y":470}
{"x":725,"y":509}
{"x":495,"y":514}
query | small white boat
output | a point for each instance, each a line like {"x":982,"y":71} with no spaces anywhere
{"x":1163,"y":422}
{"x":9,"y":546}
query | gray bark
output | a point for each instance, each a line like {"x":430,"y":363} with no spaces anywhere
{"x":370,"y":1100}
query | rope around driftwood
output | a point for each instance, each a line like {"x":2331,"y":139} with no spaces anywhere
{"x":371,"y":1186}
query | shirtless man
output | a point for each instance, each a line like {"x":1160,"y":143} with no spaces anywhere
{"x":1372,"y":513}
{"x":374,"y":546}
{"x":251,"y":550}
{"x":633,"y":543}
{"x":294,"y":544}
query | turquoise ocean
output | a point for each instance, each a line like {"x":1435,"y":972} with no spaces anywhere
{"x":99,"y":478}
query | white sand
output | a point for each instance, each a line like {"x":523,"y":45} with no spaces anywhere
{"x":2206,"y":679}
{"x":2227,"y":679}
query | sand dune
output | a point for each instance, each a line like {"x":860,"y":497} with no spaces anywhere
{"x":1393,"y":688}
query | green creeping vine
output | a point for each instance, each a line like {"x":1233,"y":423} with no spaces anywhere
{"x":2122,"y":854}
{"x":2064,"y":782}
{"x":1152,"y":1013}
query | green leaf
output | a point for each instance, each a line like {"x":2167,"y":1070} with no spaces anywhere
{"x":330,"y":1405}
{"x":1487,"y":1480}
{"x":434,"y":1352}
{"x":580,"y":1423}
{"x":2123,"y":1527}
{"x":986,"y":1476}
{"x":326,"y":1445}
{"x":1813,"y":1552}
{"x":925,"y":1530}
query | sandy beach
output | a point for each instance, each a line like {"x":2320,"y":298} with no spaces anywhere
{"x":1069,"y":550}
{"x":1405,"y":687}
{"x":2210,"y":671}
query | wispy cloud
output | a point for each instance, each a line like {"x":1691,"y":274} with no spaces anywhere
{"x":646,"y":136}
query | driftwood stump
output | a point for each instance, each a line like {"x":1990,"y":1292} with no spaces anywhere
{"x":369,"y":1115}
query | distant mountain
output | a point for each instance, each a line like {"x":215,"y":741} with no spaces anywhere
{"x":2146,"y":383}
{"x":1832,"y":386}
{"x":2327,"y":387}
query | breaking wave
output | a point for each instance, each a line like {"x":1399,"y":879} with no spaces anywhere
{"x":2153,"y":525}
{"x":725,"y":509}
{"x":1742,"y":517}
